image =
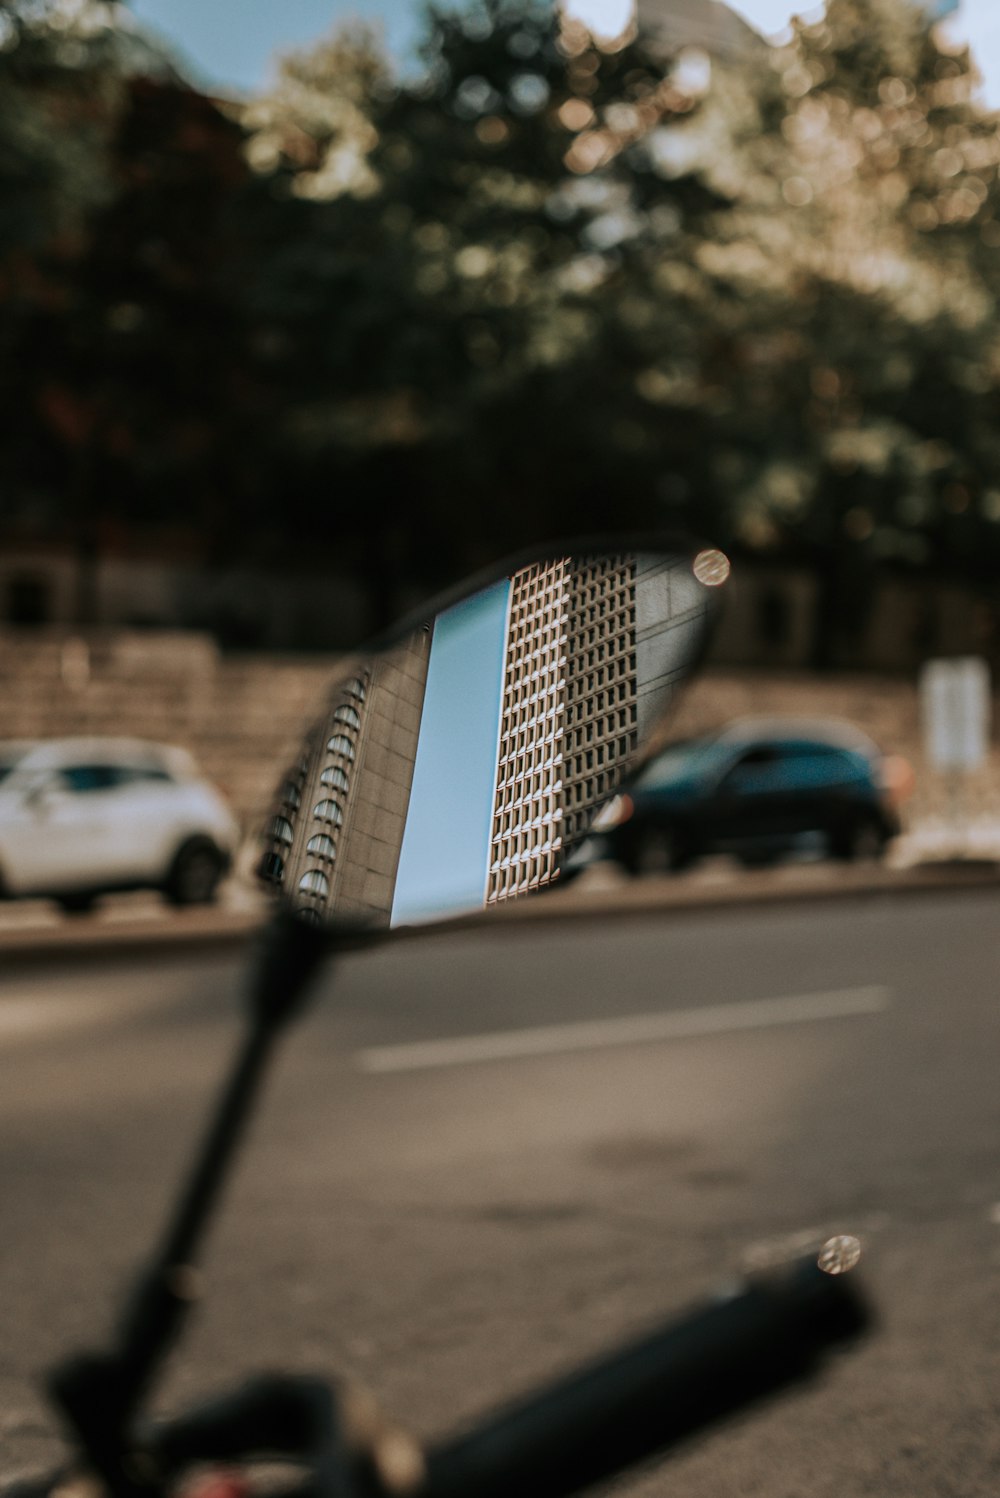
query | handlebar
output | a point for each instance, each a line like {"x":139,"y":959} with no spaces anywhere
{"x":649,"y":1396}
{"x":655,"y":1392}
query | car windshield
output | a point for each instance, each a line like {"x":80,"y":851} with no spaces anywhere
{"x":683,"y":761}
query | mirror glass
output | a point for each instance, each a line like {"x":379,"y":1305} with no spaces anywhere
{"x":460,"y":767}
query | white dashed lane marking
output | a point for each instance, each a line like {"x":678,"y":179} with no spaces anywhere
{"x":592,"y":1035}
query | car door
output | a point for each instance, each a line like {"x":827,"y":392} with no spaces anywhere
{"x":57,"y":829}
{"x":828,"y":782}
{"x":750,"y":804}
{"x":148,"y":814}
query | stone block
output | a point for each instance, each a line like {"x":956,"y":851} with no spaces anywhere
{"x":383,"y":857}
{"x":362,"y":818}
{"x":390,"y":820}
{"x":378,"y":890}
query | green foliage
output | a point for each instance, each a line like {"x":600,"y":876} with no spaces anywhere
{"x":875,"y":410}
{"x":547,"y":285}
{"x":52,"y":138}
{"x":478,"y":332}
{"x":120,"y":385}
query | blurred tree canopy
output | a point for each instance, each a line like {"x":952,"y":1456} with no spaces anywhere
{"x":464,"y":319}
{"x":548,"y":284}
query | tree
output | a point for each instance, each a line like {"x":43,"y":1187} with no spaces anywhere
{"x":125,"y":401}
{"x":400,"y":326}
{"x":867,"y":427}
{"x":472,"y":329}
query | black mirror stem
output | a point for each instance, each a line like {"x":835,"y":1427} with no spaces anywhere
{"x":100,"y":1394}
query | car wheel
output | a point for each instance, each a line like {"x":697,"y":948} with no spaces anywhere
{"x":76,"y":904}
{"x":863,"y":842}
{"x":194,"y":874}
{"x":658,"y":853}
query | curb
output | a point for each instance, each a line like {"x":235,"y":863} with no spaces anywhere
{"x":214,"y":930}
{"x":109,"y":940}
{"x":664,"y":897}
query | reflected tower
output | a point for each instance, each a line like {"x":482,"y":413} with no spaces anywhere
{"x":594,"y":648}
{"x":334,"y":841}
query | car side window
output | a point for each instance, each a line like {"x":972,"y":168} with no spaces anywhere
{"x":84,"y":779}
{"x":755,"y":769}
{"x":814,"y":766}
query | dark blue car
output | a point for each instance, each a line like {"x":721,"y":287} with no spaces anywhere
{"x":757,"y":790}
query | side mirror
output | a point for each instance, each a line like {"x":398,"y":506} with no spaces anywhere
{"x":459,"y":762}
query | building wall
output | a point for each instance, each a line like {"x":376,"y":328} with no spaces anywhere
{"x":337,"y":829}
{"x":595,"y":648}
{"x":601,"y":685}
{"x":669,"y":625}
{"x":373,"y":833}
{"x":526,"y":811}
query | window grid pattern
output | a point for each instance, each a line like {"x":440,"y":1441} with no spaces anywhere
{"x":527,"y":808}
{"x":600,"y":726}
{"x":304,"y":830}
{"x":568,"y":714}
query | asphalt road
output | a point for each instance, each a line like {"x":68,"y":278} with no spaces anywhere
{"x":486,"y":1157}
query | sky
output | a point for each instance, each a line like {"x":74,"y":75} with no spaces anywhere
{"x":443,"y":861}
{"x":231,"y":43}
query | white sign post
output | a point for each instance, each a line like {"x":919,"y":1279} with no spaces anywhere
{"x":955,"y":708}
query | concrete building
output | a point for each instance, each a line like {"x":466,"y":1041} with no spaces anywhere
{"x":334,"y":840}
{"x":593,"y":649}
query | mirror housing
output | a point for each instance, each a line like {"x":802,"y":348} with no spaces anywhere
{"x":463,"y":755}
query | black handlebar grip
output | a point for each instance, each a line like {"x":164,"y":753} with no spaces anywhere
{"x":656,"y":1392}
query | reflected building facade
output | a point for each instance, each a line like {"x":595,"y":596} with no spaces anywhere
{"x":594,"y":648}
{"x":334,"y":841}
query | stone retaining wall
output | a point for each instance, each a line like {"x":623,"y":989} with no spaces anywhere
{"x":243,"y":716}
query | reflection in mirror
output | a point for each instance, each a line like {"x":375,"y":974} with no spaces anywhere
{"x":460,"y":768}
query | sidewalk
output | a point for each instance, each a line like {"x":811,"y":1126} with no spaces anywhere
{"x":932,"y":859}
{"x":126,"y":925}
{"x":938,"y":839}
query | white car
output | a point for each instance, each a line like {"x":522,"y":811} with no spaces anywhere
{"x":84,"y":817}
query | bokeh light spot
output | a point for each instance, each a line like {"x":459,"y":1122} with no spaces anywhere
{"x":712,"y":568}
{"x":839,"y":1255}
